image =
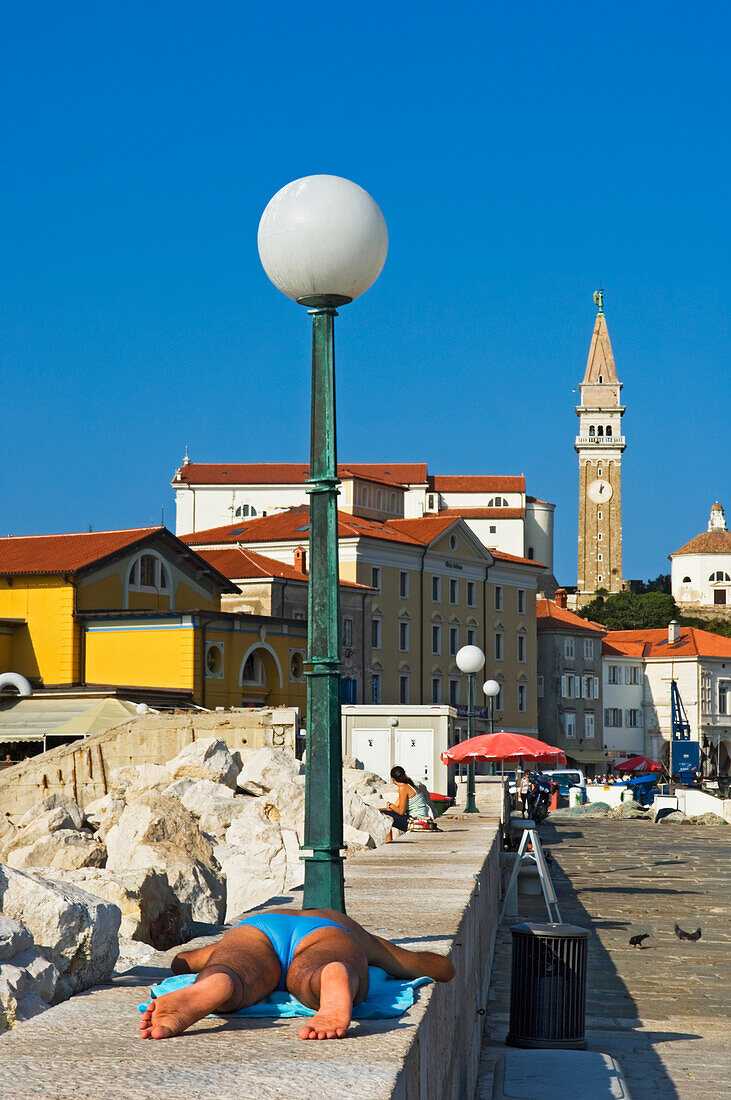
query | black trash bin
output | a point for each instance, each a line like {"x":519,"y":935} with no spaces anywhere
{"x":548,"y":986}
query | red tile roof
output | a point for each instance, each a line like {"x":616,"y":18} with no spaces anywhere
{"x":293,"y":525}
{"x":549,"y":616}
{"x":66,"y":553}
{"x":654,"y":645}
{"x":500,"y":555}
{"x":708,"y":542}
{"x":469,"y":483}
{"x":424,"y":529}
{"x":238,"y":564}
{"x":484,"y":513}
{"x":296,"y":473}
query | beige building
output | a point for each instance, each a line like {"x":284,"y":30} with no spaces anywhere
{"x":433,"y":587}
{"x":599,"y":445}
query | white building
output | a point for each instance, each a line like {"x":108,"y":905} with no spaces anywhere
{"x":623,"y":678}
{"x":496,"y":508}
{"x":700,"y":663}
{"x":701,"y":570}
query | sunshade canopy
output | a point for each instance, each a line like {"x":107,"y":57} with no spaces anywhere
{"x":503,"y":746}
{"x":638,"y":764}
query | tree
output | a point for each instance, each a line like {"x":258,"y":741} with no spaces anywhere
{"x":632,"y":611}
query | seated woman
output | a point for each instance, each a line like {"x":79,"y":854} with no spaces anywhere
{"x":413,"y":801}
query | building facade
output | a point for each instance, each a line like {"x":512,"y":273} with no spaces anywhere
{"x":625,"y":700}
{"x":701,"y":570}
{"x":599,"y":445}
{"x":570,"y":698}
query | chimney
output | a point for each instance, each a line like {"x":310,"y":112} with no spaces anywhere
{"x":561,"y":598}
{"x":300,"y":559}
{"x":673,"y":632}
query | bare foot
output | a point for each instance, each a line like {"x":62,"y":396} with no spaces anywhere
{"x":191,"y":962}
{"x":336,"y":1004}
{"x":170,"y":1014}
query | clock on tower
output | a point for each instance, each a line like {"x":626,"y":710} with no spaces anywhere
{"x":599,"y":445}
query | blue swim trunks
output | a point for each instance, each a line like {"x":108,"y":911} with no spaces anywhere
{"x":284,"y":931}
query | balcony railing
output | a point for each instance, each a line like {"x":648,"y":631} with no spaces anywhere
{"x":610,"y":440}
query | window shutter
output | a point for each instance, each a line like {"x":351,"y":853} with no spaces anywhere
{"x":577,"y":686}
{"x":640,"y":719}
{"x":563,"y":687}
{"x":596,"y":687}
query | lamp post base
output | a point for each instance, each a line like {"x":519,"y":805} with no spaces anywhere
{"x":324,"y":882}
{"x":471,"y":807}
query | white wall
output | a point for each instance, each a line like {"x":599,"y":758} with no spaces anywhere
{"x":539,"y":532}
{"x":699,"y":568}
{"x":625,"y":697}
{"x":508,"y":534}
{"x":215,"y":506}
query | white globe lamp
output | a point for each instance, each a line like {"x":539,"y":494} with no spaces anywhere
{"x":491,"y":688}
{"x":470,"y":659}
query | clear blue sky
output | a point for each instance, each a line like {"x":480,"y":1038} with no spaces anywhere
{"x":521,"y":155}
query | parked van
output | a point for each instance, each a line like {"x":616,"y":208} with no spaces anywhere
{"x":568,"y":777}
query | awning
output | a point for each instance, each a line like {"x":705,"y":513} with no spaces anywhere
{"x":101,"y":715}
{"x":587,"y":756}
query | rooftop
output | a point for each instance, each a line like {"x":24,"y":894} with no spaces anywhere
{"x":549,"y":616}
{"x":239,"y":564}
{"x":708,"y":542}
{"x":654,"y":644}
{"x":66,"y":553}
{"x":296,"y":473}
{"x":477,"y":483}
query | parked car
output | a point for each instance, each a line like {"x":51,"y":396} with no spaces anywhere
{"x":566,"y":778}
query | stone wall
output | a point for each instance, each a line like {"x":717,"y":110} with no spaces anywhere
{"x":81,"y":771}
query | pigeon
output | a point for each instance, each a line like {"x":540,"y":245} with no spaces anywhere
{"x":692,"y":936}
{"x":636,"y":941}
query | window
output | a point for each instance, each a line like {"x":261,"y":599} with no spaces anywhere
{"x":591,"y":431}
{"x":589,"y":726}
{"x":452,"y":542}
{"x":540,"y":687}
{"x":614,"y":674}
{"x":453,"y":590}
{"x":431,"y":502}
{"x":436,"y":689}
{"x":612,"y":717}
{"x":600,"y":578}
{"x":569,"y":725}
{"x":570,"y":686}
{"x":347,"y":632}
{"x":403,"y":636}
{"x":521,"y":697}
{"x":498,"y":704}
{"x":393,"y":502}
{"x":471,"y":635}
{"x":636,"y":675}
{"x":253,"y":671}
{"x":148,"y":572}
{"x":521,"y":601}
{"x":498,"y":597}
{"x":591,"y":687}
{"x":378,"y":499}
{"x":633,"y":719}
{"x":297,"y":668}
{"x":568,"y":648}
{"x":244,"y":511}
{"x":599,"y":473}
{"x":403,"y":689}
{"x":600,"y":536}
{"x":601,"y":379}
{"x":436,"y":589}
{"x":376,"y":633}
{"x":348,"y":689}
{"x":724,"y":696}
{"x":497,"y":502}
{"x":376,"y":577}
{"x":493,"y":530}
{"x":453,"y":692}
{"x":403,"y":585}
{"x":214,"y":660}
{"x":599,"y":557}
{"x":600,"y":515}
{"x":376,"y":687}
{"x":498,"y":646}
{"x":686,"y":580}
{"x":608,"y":432}
{"x":589,"y":649}
{"x":453,"y":639}
{"x":531,"y":553}
{"x":720,"y":577}
{"x":521,"y":647}
{"x":470,"y":593}
{"x":436,"y":638}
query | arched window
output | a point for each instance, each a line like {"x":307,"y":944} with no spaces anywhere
{"x":497,"y":502}
{"x":686,"y":580}
{"x":149,"y":573}
{"x":378,"y":498}
{"x":600,"y":431}
{"x":720,"y":578}
{"x":591,"y":431}
{"x":393,"y":502}
{"x":245,"y":510}
{"x":254,"y":671}
{"x":601,"y":379}
{"x":608,"y":432}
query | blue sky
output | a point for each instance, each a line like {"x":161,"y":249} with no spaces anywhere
{"x":522,"y":155}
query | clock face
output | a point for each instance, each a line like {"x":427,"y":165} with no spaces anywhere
{"x":600,"y":491}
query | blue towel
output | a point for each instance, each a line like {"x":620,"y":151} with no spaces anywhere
{"x":387,"y":997}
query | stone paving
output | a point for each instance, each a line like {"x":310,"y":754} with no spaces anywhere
{"x":662,"y":1011}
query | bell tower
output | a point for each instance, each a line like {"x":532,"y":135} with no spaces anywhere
{"x":599,"y":445}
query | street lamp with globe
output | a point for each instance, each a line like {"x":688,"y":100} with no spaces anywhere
{"x":491,"y":689}
{"x":323,"y":242}
{"x":470,"y":660}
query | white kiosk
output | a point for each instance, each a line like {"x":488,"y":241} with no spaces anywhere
{"x":412,"y":736}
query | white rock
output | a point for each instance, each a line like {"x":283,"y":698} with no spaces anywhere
{"x":357,"y":840}
{"x":141,"y":777}
{"x":178,"y":788}
{"x":74,"y":930}
{"x":8,"y":833}
{"x":64,"y":850}
{"x":132,"y":953}
{"x":285,"y":804}
{"x":214,"y":806}
{"x":40,"y":971}
{"x":156,"y":831}
{"x":207,"y":758}
{"x":27,"y":986}
{"x":254,"y":861}
{"x":104,"y":812}
{"x":266,"y":769}
{"x":14,"y":938}
{"x":151,"y":912}
{"x":365,"y":818}
{"x":53,"y":802}
{"x":51,"y":821}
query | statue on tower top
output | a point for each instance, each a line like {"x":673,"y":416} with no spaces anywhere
{"x":599,"y":300}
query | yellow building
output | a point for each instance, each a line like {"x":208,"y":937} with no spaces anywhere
{"x":139,"y":612}
{"x":435,"y":587}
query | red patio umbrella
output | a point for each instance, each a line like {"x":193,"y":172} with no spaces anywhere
{"x":638,"y":764}
{"x":503,"y":746}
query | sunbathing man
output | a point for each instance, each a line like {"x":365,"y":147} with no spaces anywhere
{"x":320,"y":956}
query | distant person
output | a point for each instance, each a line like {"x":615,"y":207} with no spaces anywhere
{"x":525,"y":785}
{"x":413,"y":804}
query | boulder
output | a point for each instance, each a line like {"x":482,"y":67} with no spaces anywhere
{"x":709,"y":818}
{"x":357,"y":840}
{"x":365,"y":818}
{"x":151,"y":912}
{"x":14,"y":938}
{"x":179,"y":786}
{"x":27,"y":986}
{"x":157,"y":831}
{"x":54,"y":802}
{"x":213,"y":804}
{"x":207,"y":758}
{"x":8,"y":833}
{"x":50,"y":821}
{"x":72,"y":929}
{"x":104,"y":812}
{"x":63,"y":850}
{"x":284,"y":805}
{"x":133,"y":953}
{"x":675,"y":817}
{"x":260,"y":861}
{"x":266,"y":769}
{"x":136,"y":778}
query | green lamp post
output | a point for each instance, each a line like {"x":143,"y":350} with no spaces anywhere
{"x":323,"y":242}
{"x":491,"y":688}
{"x":470,"y":660}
